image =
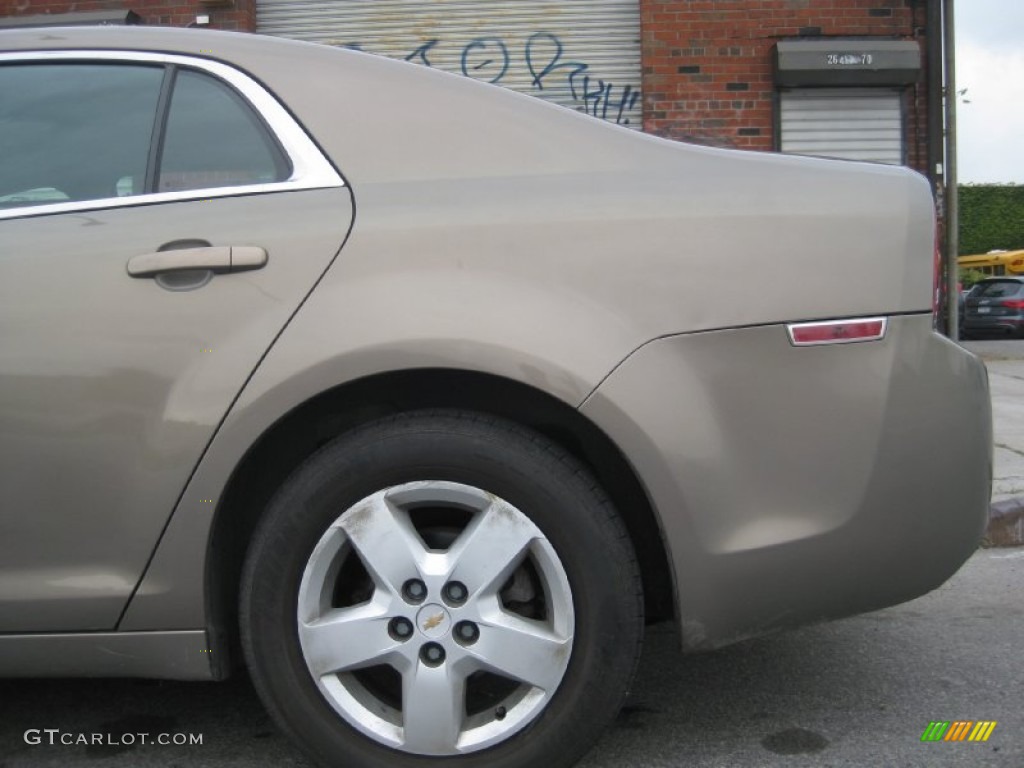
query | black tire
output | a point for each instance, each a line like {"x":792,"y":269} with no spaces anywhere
{"x":541,"y":480}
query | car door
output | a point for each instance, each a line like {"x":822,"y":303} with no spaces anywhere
{"x":161,"y":219}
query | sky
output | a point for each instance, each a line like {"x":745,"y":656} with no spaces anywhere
{"x":990,"y":65}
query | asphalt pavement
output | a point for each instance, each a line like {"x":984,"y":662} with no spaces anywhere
{"x":1005,"y":363}
{"x":849,"y":694}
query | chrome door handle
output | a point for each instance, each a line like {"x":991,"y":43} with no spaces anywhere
{"x":216,"y":258}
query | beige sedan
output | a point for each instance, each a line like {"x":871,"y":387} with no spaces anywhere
{"x":411,"y":393}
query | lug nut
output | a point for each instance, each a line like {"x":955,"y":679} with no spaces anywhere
{"x":432,"y":654}
{"x":466,"y":632}
{"x":400,"y":628}
{"x":455,"y":593}
{"x":414,"y":591}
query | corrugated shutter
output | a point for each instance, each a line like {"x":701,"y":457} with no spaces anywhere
{"x":849,"y":123}
{"x":583,"y":54}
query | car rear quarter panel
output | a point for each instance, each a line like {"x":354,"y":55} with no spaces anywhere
{"x":800,"y":484}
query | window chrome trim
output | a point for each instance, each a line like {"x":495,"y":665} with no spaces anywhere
{"x":792,"y":327}
{"x":310,"y":168}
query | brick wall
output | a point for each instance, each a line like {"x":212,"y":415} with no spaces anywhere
{"x":233,"y":14}
{"x":707,"y":64}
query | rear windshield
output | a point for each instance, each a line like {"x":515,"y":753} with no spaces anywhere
{"x":997,"y":289}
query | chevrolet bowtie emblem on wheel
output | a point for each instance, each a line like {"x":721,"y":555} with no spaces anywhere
{"x":432,"y":621}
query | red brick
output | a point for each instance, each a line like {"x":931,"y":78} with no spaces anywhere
{"x":156,"y":12}
{"x":719,"y":27}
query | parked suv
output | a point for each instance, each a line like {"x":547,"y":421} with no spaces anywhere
{"x":995,"y":306}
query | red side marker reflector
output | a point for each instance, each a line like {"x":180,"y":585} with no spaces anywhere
{"x":837,"y":331}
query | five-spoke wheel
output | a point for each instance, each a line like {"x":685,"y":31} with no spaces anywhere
{"x":438,"y":586}
{"x":468,"y":628}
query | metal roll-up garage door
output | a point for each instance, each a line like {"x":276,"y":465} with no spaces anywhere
{"x":582,"y":54}
{"x":849,"y":123}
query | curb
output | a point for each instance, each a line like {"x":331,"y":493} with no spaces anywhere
{"x":1006,"y":523}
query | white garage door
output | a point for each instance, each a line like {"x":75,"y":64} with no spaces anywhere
{"x":583,"y":54}
{"x":850,"y":123}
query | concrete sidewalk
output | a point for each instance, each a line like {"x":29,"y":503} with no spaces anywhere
{"x":1005,"y":363}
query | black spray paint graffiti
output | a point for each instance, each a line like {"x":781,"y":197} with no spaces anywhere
{"x":488,"y":59}
{"x":596,"y":100}
{"x":479,"y":55}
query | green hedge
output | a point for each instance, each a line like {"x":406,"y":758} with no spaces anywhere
{"x":991,"y":216}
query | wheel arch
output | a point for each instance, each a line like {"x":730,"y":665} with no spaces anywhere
{"x":295,"y":436}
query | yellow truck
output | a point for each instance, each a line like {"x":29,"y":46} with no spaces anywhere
{"x":995,"y":263}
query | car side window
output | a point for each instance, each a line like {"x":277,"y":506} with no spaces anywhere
{"x":75,"y":131}
{"x":215,"y":139}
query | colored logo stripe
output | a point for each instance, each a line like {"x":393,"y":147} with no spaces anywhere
{"x":983,"y":730}
{"x":958,"y":730}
